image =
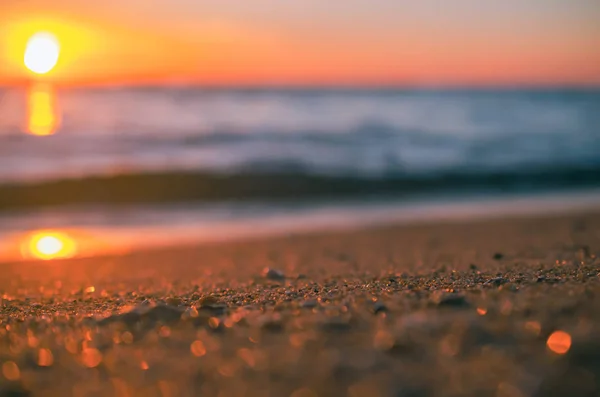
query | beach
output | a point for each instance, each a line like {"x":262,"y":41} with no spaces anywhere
{"x":285,"y":199}
{"x":474,"y":307}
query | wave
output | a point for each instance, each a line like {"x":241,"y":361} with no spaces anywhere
{"x":291,"y":184}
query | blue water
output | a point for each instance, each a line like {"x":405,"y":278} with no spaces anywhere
{"x":357,"y":133}
{"x":145,"y":167}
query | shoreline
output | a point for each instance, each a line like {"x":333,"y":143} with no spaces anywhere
{"x":570,"y":221}
{"x":147,"y":187}
{"x":151,"y":228}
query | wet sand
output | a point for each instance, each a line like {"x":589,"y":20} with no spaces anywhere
{"x":507,"y":307}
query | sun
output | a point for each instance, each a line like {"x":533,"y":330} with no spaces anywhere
{"x":42,"y":52}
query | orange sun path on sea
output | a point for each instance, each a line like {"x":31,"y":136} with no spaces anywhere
{"x":43,"y":116}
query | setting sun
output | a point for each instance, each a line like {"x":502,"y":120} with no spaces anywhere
{"x":41,"y":53}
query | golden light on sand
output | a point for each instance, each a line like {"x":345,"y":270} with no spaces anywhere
{"x":559,"y":342}
{"x":50,"y":245}
{"x":42,"y":110}
{"x":41,"y":53}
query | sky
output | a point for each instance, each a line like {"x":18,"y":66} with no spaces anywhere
{"x":309,"y":42}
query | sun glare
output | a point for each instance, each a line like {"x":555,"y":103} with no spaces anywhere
{"x":41,"y":53}
{"x":51,"y":245}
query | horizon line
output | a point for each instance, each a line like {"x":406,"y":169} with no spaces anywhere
{"x":358,"y":86}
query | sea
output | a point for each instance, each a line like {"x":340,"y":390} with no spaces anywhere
{"x":152,"y":166}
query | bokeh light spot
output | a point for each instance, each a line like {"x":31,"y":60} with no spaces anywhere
{"x":559,"y":342}
{"x":10,"y":370}
{"x":45,"y":358}
{"x":91,"y":357}
{"x":198,"y":348}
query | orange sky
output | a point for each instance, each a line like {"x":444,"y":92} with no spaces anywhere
{"x":532,"y":42}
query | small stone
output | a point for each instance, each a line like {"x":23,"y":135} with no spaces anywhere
{"x":498,"y":255}
{"x":173,"y":301}
{"x":128,"y":318}
{"x":163,"y":313}
{"x":473,"y":266}
{"x":148,"y":302}
{"x":272,"y":322}
{"x":309,"y":304}
{"x":208,"y":300}
{"x":301,"y":276}
{"x":143,"y":313}
{"x":190,"y":312}
{"x":273,"y":274}
{"x":451,"y":300}
{"x":496,"y":281}
{"x":379,"y":307}
{"x":215,"y":309}
{"x":335,"y":324}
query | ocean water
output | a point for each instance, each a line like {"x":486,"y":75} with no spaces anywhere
{"x":185,"y":151}
{"x":324,"y":132}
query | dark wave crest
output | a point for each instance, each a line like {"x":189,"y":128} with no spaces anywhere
{"x":173,"y":187}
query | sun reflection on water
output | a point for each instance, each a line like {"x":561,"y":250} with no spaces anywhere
{"x":43,"y":117}
{"x":48,"y":245}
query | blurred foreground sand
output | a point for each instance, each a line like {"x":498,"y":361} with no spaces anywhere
{"x":481,"y":308}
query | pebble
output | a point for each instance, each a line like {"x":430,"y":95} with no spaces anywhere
{"x":379,"y":307}
{"x":271,"y":323}
{"x":273,"y":274}
{"x":173,"y":301}
{"x":335,"y":324}
{"x":208,"y":300}
{"x":309,"y":304}
{"x":162,"y":313}
{"x":451,"y":300}
{"x":496,"y":281}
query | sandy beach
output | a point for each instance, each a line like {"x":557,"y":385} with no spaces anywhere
{"x":505,"y":307}
{"x":292,"y":199}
